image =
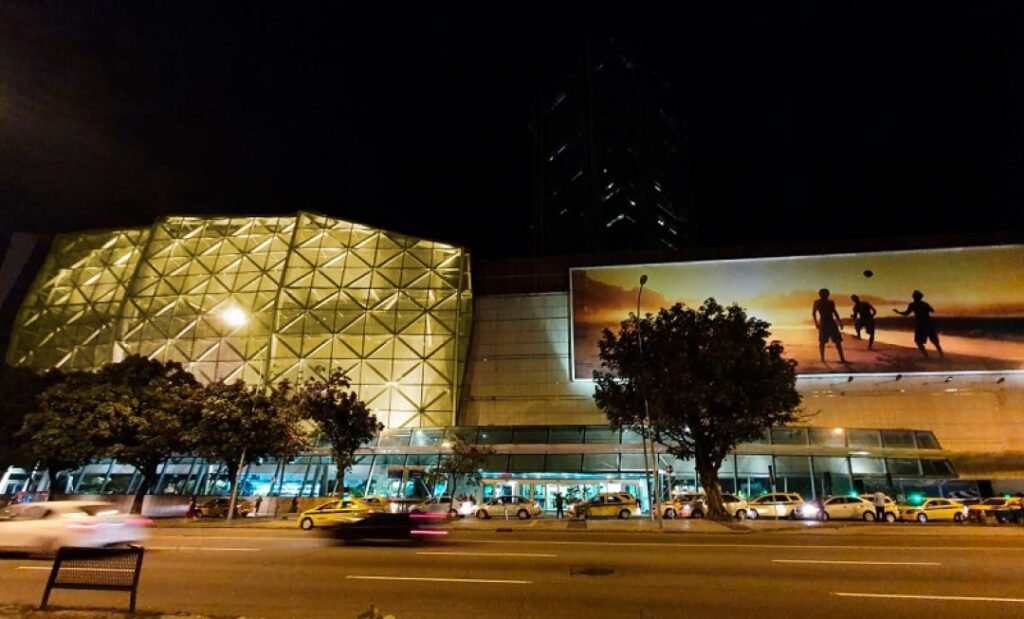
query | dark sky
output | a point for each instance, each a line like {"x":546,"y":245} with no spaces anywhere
{"x":807,"y":121}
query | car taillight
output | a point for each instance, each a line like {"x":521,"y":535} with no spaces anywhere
{"x":140,"y":522}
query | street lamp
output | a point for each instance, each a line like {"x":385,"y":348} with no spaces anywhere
{"x":650,"y":473}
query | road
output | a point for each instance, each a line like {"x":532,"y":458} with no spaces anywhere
{"x":288,"y":573}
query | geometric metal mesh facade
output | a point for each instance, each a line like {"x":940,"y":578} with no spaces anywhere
{"x":262,"y":299}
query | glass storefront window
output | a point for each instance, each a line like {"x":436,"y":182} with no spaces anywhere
{"x":926,"y":440}
{"x":496,"y":463}
{"x":633,"y":462}
{"x":630,"y":437}
{"x":601,"y":434}
{"x":792,"y":464}
{"x":898,"y":438}
{"x":466,"y":434}
{"x":526,"y":463}
{"x":601,"y":463}
{"x":495,"y":436}
{"x":904,"y":467}
{"x":863,"y":438}
{"x":937,"y":468}
{"x":395,"y":438}
{"x":753,"y":465}
{"x":835,"y":466}
{"x":867,"y":466}
{"x":827,"y":437}
{"x":789,"y":436}
{"x":427,"y":437}
{"x":357,"y":476}
{"x":528,"y":435}
{"x":566,"y":434}
{"x":564,"y":463}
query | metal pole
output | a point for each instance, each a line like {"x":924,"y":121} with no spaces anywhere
{"x":650,"y":473}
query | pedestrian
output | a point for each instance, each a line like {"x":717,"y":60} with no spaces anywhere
{"x":559,"y":505}
{"x":294,"y":509}
{"x":191,"y":511}
{"x":256,"y":511}
{"x":879,"y":505}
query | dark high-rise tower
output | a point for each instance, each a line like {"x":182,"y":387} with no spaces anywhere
{"x":610,"y":170}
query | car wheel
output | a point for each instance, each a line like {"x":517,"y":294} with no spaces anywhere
{"x":523,"y":514}
{"x":198,"y":515}
{"x":890,"y":517}
{"x":823,"y":516}
{"x":624,"y":514}
{"x":306,"y":524}
{"x":958,"y":518}
{"x":482,"y":514}
{"x":698,"y":514}
{"x":922,"y":518}
{"x":741,"y":514}
{"x":793,"y":515}
{"x":670,"y":514}
{"x":869,"y":517}
{"x":752,"y":514}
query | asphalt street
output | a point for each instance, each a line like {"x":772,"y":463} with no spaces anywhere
{"x":529,"y":573}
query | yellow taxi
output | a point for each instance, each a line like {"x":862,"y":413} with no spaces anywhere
{"x":989,"y":506}
{"x":607,"y":505}
{"x":333,"y":512}
{"x":934,"y":509}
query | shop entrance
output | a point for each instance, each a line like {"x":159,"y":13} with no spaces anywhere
{"x":544,"y":491}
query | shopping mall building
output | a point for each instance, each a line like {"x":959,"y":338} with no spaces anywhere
{"x":503,"y":357}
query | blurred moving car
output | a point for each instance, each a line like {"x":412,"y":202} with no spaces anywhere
{"x":443,"y":505}
{"x":520,"y":507}
{"x":218,"y":508}
{"x":386,"y":526}
{"x":42,"y":528}
{"x":333,"y":512}
{"x":934,"y":509}
{"x":989,"y":507}
{"x":777,"y":505}
{"x":607,"y":505}
{"x":892,"y":510}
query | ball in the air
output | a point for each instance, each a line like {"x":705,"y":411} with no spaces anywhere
{"x":868,"y":273}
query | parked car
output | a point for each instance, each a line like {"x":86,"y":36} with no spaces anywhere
{"x":218,"y":508}
{"x":892,"y":511}
{"x":42,"y":528}
{"x":988,"y":507}
{"x":503,"y":506}
{"x":383,"y":526}
{"x":777,"y":505}
{"x":607,"y":505}
{"x":442,"y":505}
{"x":843,"y":508}
{"x":693,"y":506}
{"x":934,"y":509}
{"x":333,"y":512}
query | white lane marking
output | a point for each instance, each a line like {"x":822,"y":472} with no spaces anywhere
{"x":424,"y":579}
{"x":251,"y":538}
{"x":929,"y":563}
{"x":489,"y":554}
{"x":943,"y":598}
{"x":75,"y":569}
{"x":773,"y":546}
{"x":214,"y":548}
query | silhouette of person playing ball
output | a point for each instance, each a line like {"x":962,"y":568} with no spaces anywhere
{"x":924,"y":327}
{"x":864,"y":318}
{"x":828,"y":323}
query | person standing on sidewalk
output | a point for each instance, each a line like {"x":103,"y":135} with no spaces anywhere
{"x":559,"y":505}
{"x":879,"y":505}
{"x":256,"y":511}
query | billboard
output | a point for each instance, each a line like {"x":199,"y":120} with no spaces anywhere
{"x":945,"y":310}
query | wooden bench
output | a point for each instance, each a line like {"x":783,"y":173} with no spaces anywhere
{"x":96,"y":569}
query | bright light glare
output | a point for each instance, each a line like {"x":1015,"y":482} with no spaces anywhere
{"x":234,"y":317}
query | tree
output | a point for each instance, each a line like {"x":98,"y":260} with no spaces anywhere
{"x":239,"y":425}
{"x":463,"y":463}
{"x":343,"y":419}
{"x":134,"y":411}
{"x":711,"y":380}
{"x":20,"y":390}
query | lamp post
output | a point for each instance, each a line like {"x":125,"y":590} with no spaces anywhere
{"x":650,"y":473}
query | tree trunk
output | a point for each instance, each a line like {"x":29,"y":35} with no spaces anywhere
{"x":148,"y":476}
{"x":51,"y":476}
{"x":234,"y":470}
{"x":708,"y":474}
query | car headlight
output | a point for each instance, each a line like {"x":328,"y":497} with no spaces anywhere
{"x":809,"y":510}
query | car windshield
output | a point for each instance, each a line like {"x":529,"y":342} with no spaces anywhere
{"x":994,"y":501}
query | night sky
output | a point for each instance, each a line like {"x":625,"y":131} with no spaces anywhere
{"x":806,"y":121}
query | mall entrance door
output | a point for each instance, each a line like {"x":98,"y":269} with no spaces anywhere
{"x":544,"y":491}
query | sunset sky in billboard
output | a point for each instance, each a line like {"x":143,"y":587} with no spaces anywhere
{"x":977,"y":294}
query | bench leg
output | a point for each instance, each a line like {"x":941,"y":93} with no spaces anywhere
{"x":46,"y":597}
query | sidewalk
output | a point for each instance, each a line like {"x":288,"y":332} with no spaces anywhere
{"x":31,"y":612}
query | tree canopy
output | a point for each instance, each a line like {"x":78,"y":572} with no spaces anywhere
{"x":462,"y":463}
{"x":711,"y":379}
{"x":343,"y":419}
{"x":20,"y":390}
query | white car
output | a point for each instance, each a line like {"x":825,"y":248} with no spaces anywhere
{"x":42,"y":528}
{"x":777,"y":505}
{"x":839,"y":508}
{"x":508,"y":506}
{"x":443,"y":505}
